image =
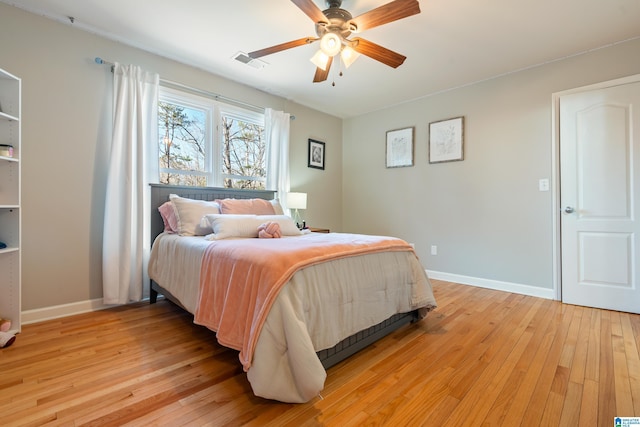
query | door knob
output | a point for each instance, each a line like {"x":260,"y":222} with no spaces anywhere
{"x":568,"y":210}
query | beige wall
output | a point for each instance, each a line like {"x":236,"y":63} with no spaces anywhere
{"x":324,"y":187}
{"x":66,"y":116}
{"x":485,"y":214}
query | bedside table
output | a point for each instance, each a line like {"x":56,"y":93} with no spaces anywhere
{"x":319,"y":230}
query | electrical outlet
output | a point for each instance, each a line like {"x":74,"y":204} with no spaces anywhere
{"x":434,"y":250}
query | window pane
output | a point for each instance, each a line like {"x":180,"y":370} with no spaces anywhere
{"x":243,"y":153}
{"x":181,"y":143}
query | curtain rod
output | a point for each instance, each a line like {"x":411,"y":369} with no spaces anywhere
{"x":213,"y":95}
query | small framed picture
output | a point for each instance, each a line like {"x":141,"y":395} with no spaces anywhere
{"x":446,"y":140}
{"x":316,"y":154}
{"x":399,"y":150}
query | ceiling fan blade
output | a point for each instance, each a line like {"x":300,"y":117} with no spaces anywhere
{"x":321,"y":75}
{"x":280,"y":47}
{"x":311,"y":10}
{"x":377,"y":52}
{"x":384,"y":14}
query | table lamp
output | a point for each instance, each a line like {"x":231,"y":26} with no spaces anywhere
{"x":297,"y":201}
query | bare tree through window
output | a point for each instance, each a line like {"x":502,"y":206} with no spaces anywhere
{"x":181,"y":145}
{"x":243,"y":154}
{"x":186,"y":146}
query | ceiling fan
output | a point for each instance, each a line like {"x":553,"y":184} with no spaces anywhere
{"x":333,"y":27}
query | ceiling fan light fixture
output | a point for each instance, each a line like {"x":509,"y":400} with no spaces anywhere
{"x":320,"y":60}
{"x":331,"y":44}
{"x":348,"y":56}
{"x":334,"y":27}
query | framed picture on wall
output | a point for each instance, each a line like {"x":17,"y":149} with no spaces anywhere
{"x":316,"y":154}
{"x":446,"y":140}
{"x":399,"y":149}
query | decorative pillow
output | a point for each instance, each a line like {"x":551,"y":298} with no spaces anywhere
{"x":189,"y":213}
{"x":168,"y":214}
{"x":287,"y":226}
{"x":269,"y":230}
{"x":246,"y":207}
{"x":227,"y":226}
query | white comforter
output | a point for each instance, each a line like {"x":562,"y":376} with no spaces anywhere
{"x":316,"y":309}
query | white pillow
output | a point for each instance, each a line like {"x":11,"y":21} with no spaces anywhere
{"x":189,"y":213}
{"x":227,"y":226}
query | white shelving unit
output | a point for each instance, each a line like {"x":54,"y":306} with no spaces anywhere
{"x":10,"y":215}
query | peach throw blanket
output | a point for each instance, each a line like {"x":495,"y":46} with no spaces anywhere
{"x":240,"y":279}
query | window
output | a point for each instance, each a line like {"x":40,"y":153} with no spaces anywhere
{"x":202,"y":142}
{"x":244,"y":154}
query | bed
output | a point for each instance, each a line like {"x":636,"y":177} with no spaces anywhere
{"x":323,"y":311}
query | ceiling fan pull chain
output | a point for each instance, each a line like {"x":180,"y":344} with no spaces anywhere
{"x":340,"y":63}
{"x":333,"y":71}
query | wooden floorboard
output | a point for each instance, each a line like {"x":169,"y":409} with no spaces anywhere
{"x":482,"y":358}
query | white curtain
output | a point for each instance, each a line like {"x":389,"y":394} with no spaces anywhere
{"x":277,"y":125}
{"x":126,"y":245}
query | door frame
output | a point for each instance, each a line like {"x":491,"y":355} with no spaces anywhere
{"x":555,"y":171}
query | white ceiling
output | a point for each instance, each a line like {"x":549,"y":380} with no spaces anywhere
{"x":451,"y":43}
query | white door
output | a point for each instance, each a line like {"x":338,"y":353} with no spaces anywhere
{"x":599,"y":189}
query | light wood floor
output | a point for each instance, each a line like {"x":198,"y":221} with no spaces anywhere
{"x":481,"y":358}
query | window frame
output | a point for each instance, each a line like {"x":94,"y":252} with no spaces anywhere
{"x":214,"y":112}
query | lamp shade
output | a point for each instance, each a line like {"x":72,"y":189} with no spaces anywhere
{"x":297,"y":200}
{"x":348,"y":56}
{"x":320,"y":59}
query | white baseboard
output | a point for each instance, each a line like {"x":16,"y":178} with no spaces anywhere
{"x":64,"y":310}
{"x":497,"y":285}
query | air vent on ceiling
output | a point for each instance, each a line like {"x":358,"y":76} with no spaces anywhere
{"x":246,"y":59}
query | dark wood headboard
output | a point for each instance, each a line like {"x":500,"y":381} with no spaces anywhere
{"x":160,"y":194}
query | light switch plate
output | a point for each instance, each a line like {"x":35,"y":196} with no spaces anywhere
{"x":543,"y":184}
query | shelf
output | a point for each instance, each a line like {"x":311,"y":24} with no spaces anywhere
{"x":9,"y":117}
{"x":9,"y":159}
{"x":10,"y":211}
{"x":7,"y":75}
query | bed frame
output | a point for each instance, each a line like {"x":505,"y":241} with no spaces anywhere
{"x":328,"y":357}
